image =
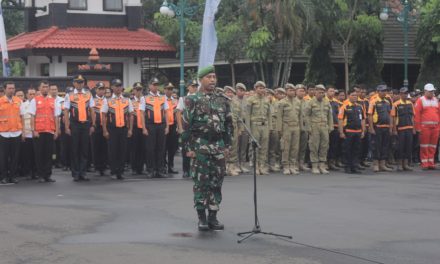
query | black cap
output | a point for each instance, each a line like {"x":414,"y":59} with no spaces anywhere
{"x":138,"y":86}
{"x":100,"y":85}
{"x":169,"y":86}
{"x":154,"y":81}
{"x":79,"y":78}
{"x":116,"y":82}
{"x":381,"y":88}
{"x":404,"y":90}
{"x":192,"y":83}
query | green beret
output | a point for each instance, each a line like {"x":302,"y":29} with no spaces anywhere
{"x":205,"y":71}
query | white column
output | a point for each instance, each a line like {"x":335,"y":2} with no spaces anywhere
{"x":57,"y":68}
{"x":132,"y":72}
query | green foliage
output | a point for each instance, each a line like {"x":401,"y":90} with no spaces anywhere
{"x":319,"y":66}
{"x":259,"y":46}
{"x":14,"y":25}
{"x":231,"y":41}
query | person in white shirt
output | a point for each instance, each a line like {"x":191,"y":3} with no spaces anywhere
{"x":27,"y":158}
{"x":117,"y":125}
{"x":137,"y":144}
{"x":53,"y":92}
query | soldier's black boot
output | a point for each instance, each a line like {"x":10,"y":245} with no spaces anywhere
{"x":213,"y":223}
{"x":203,"y":223}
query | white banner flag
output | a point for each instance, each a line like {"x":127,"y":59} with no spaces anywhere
{"x":4,"y":46}
{"x":208,"y":45}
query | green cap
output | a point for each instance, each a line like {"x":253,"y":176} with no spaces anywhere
{"x":205,"y":71}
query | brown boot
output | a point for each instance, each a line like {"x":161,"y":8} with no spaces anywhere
{"x":383,"y":167}
{"x":315,"y":169}
{"x":332,"y":165}
{"x":294,"y":170}
{"x":399,"y":165}
{"x":406,"y":166}
{"x":322,"y":168}
{"x":303,"y":166}
{"x":376,"y":166}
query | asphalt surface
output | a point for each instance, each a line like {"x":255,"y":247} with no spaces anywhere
{"x":334,"y":219}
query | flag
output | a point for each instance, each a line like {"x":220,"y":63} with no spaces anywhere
{"x":4,"y":47}
{"x":208,"y":45}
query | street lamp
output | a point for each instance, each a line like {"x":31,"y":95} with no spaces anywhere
{"x":403,"y":16}
{"x":182,"y":9}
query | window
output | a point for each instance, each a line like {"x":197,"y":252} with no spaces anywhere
{"x":44,"y":69}
{"x":112,"y":5}
{"x":77,"y":4}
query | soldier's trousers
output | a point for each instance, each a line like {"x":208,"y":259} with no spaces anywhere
{"x":318,"y":143}
{"x":352,"y":146}
{"x":66,"y":149}
{"x":243,"y":141}
{"x":137,"y":150}
{"x":380,"y":143}
{"x":117,"y":145}
{"x":9,"y":154}
{"x":27,"y":158}
{"x":335,"y":147}
{"x":405,"y":144}
{"x":99,"y":150}
{"x":303,"y":144}
{"x":80,"y":148}
{"x":290,"y":147}
{"x":155,"y":145}
{"x":172,"y":143}
{"x":43,"y":146}
{"x":274,"y":147}
{"x":208,"y":172}
{"x":233,"y":153}
{"x":261,"y":134}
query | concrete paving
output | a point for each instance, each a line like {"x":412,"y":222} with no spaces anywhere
{"x":370,"y":218}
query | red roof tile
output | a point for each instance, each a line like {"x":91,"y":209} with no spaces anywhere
{"x":88,"y":38}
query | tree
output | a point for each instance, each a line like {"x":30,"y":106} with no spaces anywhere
{"x":428,"y":44}
{"x":14,"y":25}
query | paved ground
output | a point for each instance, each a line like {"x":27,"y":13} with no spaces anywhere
{"x":386,"y":218}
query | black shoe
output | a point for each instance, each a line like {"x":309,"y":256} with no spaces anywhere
{"x":65,"y":169}
{"x":120,"y":177}
{"x":213,"y":223}
{"x":348,"y":170}
{"x":101,"y":173}
{"x":360,"y":168}
{"x":13,"y":181}
{"x":355,"y":171}
{"x":203,"y":223}
{"x":185,"y":175}
{"x":159,"y":175}
{"x":83,"y":178}
{"x":171,"y":171}
{"x":49,"y":180}
{"x":41,"y":180}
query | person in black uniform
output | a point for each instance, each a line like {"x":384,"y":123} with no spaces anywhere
{"x":351,"y":121}
{"x":156,"y":122}
{"x":99,"y":143}
{"x":334,"y":151}
{"x":79,"y":119}
{"x":172,"y":137}
{"x":137,"y":149}
{"x":117,"y":123}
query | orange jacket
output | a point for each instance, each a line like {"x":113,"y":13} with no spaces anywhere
{"x":427,"y":112}
{"x":172,"y":104}
{"x":10,"y":118}
{"x":118,"y":112}
{"x":154,"y":110}
{"x":44,"y":114}
{"x":79,"y":106}
{"x":137,"y":113}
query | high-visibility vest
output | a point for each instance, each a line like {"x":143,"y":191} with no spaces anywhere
{"x":172,"y":105}
{"x":118,"y":112}
{"x":380,"y":109}
{"x":97,"y":109}
{"x":154,"y":110}
{"x":79,"y":106}
{"x":137,"y":113}
{"x":44,"y":114}
{"x":403,"y":111}
{"x":10,"y":118}
{"x":352,"y":115}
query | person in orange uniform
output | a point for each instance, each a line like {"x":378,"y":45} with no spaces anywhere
{"x":79,"y":120}
{"x":11,"y":131}
{"x":172,"y":137}
{"x":156,"y":122}
{"x":351,"y":120}
{"x":45,"y":125}
{"x":99,"y":143}
{"x":379,"y":121}
{"x":427,"y":120}
{"x":402,"y":114}
{"x":334,"y":151}
{"x":137,"y":150}
{"x":117,"y":124}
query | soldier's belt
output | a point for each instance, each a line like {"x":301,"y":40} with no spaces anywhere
{"x":259,"y":123}
{"x":208,"y":137}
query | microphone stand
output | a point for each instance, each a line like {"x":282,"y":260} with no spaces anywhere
{"x":257,"y":228}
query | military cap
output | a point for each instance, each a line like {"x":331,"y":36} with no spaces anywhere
{"x":229,"y":88}
{"x":404,"y":90}
{"x":429,"y":87}
{"x":154,"y":80}
{"x":381,"y":88}
{"x":169,"y":86}
{"x":100,"y":85}
{"x":260,"y":83}
{"x":240,"y":86}
{"x":320,"y":87}
{"x":219,"y":90}
{"x":270,"y":91}
{"x":79,"y":78}
{"x":116,"y":82}
{"x":192,"y":83}
{"x":138,"y":86}
{"x":205,"y":71}
{"x":290,"y":86}
{"x":280,"y":90}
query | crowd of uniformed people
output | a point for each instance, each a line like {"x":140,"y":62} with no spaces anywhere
{"x":299,"y":128}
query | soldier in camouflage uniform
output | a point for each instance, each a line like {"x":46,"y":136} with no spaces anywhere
{"x":207,"y":122}
{"x":274,"y":134}
{"x":259,"y":121}
{"x":319,"y":120}
{"x":289,"y":123}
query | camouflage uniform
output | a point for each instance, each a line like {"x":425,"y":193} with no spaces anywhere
{"x":259,"y":121}
{"x":207,"y":122}
{"x":304,"y":138}
{"x":290,"y":123}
